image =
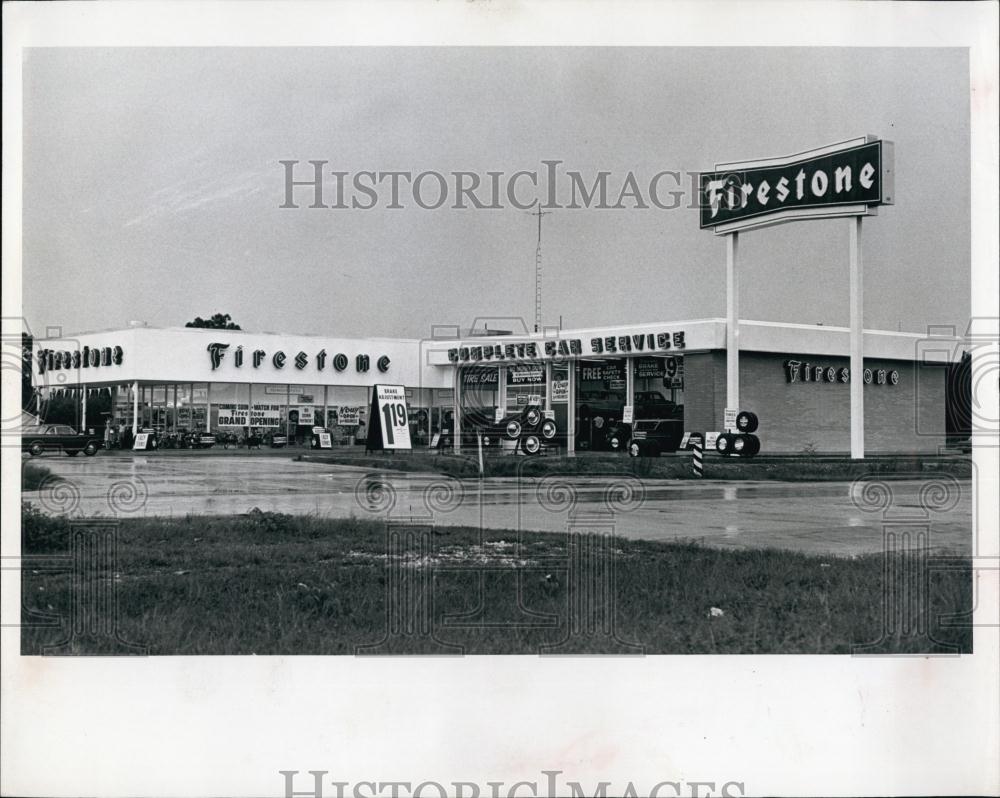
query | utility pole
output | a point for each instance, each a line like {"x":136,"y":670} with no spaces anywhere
{"x":538,"y":269}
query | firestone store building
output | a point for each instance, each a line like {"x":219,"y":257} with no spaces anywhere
{"x":795,"y":378}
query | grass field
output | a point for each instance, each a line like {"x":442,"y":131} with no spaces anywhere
{"x":792,"y":469}
{"x":267,"y":583}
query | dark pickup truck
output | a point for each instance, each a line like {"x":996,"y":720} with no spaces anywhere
{"x":58,"y":438}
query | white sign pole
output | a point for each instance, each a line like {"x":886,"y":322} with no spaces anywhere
{"x":732,"y":323}
{"x":135,"y":407}
{"x":857,"y":346}
{"x":571,"y":410}
{"x":629,"y":381}
{"x":456,"y":412}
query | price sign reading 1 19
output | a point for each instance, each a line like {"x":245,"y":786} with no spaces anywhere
{"x":393,"y":418}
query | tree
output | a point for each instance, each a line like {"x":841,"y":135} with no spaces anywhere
{"x":220,"y":321}
{"x":27,"y":391}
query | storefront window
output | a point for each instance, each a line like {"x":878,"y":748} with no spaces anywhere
{"x":525,"y":386}
{"x":559,"y":400}
{"x":659,"y":387}
{"x":419,"y":402}
{"x":600,"y":401}
{"x":442,"y":414}
{"x":480,"y":395}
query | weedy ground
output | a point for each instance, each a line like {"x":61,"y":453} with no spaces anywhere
{"x":267,"y":583}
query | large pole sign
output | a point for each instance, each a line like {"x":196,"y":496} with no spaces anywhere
{"x":817,"y":184}
{"x":848,"y":179}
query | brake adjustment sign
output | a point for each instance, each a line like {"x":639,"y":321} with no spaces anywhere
{"x":390,"y":418}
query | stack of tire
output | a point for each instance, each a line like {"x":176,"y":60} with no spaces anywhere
{"x":530,"y":431}
{"x":742,"y":443}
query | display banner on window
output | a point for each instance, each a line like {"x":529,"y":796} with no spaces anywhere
{"x":560,"y":390}
{"x":235,"y":414}
{"x":307,"y":415}
{"x":647,"y":368}
{"x":348,"y":416}
{"x":525,"y":375}
{"x":265,"y":415}
{"x":673,"y":376}
{"x":602,"y":372}
{"x":480,"y":377}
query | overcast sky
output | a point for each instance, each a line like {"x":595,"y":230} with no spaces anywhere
{"x":152,"y":185}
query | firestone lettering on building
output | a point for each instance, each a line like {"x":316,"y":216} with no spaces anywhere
{"x":279,"y":359}
{"x":54,"y":360}
{"x":799,"y":371}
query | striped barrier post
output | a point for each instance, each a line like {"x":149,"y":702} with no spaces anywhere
{"x":699,"y":459}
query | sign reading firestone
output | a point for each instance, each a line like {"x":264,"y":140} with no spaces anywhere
{"x":339,"y":361}
{"x":858,"y":175}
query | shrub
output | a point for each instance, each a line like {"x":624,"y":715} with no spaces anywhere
{"x":41,"y":533}
{"x":33,"y":475}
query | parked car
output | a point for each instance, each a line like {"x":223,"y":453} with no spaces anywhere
{"x":617,"y":436}
{"x":201,"y":440}
{"x":59,"y":438}
{"x":598,"y":411}
{"x":650,"y":437}
{"x":654,"y":405}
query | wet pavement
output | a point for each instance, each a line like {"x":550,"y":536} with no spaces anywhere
{"x":811,"y":517}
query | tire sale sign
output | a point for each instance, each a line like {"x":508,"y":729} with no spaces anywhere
{"x":389,"y":426}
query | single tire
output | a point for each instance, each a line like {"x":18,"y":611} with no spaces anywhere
{"x":533,"y":416}
{"x":634,"y":450}
{"x":549,"y":429}
{"x":746,"y":445}
{"x":90,"y":449}
{"x":486,"y":440}
{"x":724,"y":443}
{"x":513,"y":429}
{"x":531,"y":444}
{"x":747,"y":421}
{"x":36,"y":449}
{"x":615,"y":443}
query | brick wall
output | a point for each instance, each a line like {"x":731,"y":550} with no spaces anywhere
{"x":908,"y":417}
{"x":701,"y":394}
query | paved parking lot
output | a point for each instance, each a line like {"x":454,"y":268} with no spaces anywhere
{"x":827,"y":517}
